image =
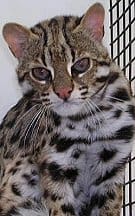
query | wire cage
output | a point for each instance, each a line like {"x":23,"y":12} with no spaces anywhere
{"x":122,"y":27}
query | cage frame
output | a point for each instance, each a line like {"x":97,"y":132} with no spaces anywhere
{"x":119,"y":55}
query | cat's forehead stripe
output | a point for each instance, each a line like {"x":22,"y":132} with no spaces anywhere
{"x":39,"y":27}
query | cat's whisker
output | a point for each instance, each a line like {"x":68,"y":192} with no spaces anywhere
{"x":47,"y":118}
{"x":37,"y":123}
{"x":28,"y":128}
{"x":98,"y":109}
{"x":95,"y":116}
{"x":114,"y":98}
{"x":89,"y":110}
{"x":25,"y":114}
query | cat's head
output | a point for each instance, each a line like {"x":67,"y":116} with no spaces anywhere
{"x":63,"y":59}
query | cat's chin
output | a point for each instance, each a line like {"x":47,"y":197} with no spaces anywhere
{"x":67,"y":109}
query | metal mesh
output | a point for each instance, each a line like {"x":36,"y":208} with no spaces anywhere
{"x":122,"y":26}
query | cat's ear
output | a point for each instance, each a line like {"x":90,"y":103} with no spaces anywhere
{"x":17,"y":38}
{"x":93,"y":21}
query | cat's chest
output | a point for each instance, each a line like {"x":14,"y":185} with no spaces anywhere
{"x":71,"y":143}
{"x":73,"y":129}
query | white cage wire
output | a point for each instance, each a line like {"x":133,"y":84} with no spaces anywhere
{"x":122,"y":26}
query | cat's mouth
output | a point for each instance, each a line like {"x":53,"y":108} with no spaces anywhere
{"x":67,"y":107}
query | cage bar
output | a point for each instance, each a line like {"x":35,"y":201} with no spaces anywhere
{"x":122,"y":28}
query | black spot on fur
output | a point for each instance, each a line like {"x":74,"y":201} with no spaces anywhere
{"x":111,"y":195}
{"x":26,"y":176}
{"x":11,"y":212}
{"x":125,"y":133}
{"x":29,"y":178}
{"x":68,"y":208}
{"x":43,"y":166}
{"x":76,"y":153}
{"x":46,"y":193}
{"x":117,"y":113}
{"x":30,"y":161}
{"x":56,"y":172}
{"x":71,"y":127}
{"x":104,"y":63}
{"x":54,"y":197}
{"x":26,"y":205}
{"x":120,"y":95}
{"x":16,"y":135}
{"x":29,"y":94}
{"x":104,"y":108}
{"x":18,"y":163}
{"x":131,"y":111}
{"x":53,"y":139}
{"x":57,"y":119}
{"x":49,"y":129}
{"x":1,"y":209}
{"x":84,"y":93}
{"x":113,"y":77}
{"x":15,"y":190}
{"x":13,"y":170}
{"x":21,"y":79}
{"x":34,"y":172}
{"x":63,"y":143}
{"x":71,"y":174}
{"x":96,"y":200}
{"x":33,"y":182}
{"x":1,"y":193}
{"x":59,"y":174}
{"x":43,"y":143}
{"x":106,"y":155}
{"x":111,"y":173}
{"x":101,"y":79}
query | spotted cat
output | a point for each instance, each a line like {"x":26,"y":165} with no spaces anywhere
{"x":76,"y":119}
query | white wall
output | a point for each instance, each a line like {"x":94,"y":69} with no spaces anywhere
{"x":28,"y":13}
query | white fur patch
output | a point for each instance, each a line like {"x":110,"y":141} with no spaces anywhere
{"x":103,"y":71}
{"x":26,"y":87}
{"x":71,"y":107}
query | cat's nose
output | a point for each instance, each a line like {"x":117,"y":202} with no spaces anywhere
{"x":64,"y":93}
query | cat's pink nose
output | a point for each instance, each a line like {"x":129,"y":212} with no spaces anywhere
{"x":64,"y":93}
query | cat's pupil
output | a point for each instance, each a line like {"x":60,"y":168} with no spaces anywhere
{"x":41,"y":74}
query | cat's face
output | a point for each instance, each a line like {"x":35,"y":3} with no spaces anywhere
{"x":62,"y":59}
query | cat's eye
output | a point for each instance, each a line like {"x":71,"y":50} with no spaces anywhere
{"x":81,"y":66}
{"x":41,"y":74}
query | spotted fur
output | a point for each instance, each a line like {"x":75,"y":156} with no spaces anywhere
{"x":20,"y":190}
{"x":80,"y":140}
